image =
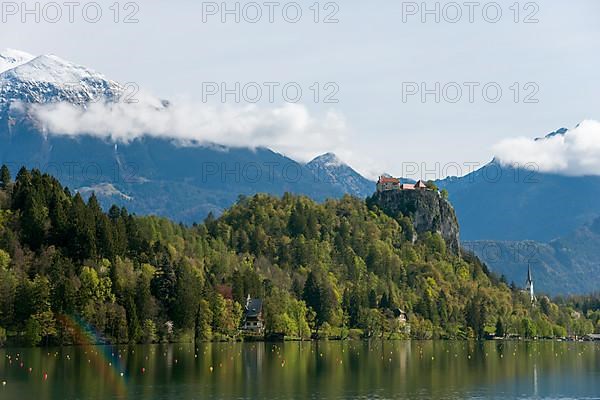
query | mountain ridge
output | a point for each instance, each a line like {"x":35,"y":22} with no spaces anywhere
{"x":329,"y":168}
{"x":563,"y":266}
{"x":501,"y":202}
{"x":10,"y":58}
{"x":50,"y":79}
{"x":521,"y":200}
{"x":150,"y":175}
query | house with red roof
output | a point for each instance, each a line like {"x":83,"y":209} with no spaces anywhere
{"x":386,"y":183}
{"x":420,"y":185}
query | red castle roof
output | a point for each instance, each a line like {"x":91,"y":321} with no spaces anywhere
{"x":385,"y":179}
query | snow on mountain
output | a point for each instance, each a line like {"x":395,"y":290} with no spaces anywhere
{"x":11,"y":58}
{"x":44,"y":90}
{"x":329,"y":160}
{"x":50,"y":79}
{"x":330,"y":169}
{"x":104,"y":190}
{"x":160,"y":166}
{"x":558,"y":132}
{"x":52,"y":69}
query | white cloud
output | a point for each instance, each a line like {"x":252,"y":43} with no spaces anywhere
{"x":289,"y":129}
{"x":575,"y":153}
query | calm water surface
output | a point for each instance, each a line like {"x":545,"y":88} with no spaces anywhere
{"x":325,"y":370}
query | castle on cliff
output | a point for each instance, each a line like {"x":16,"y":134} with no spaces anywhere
{"x":386,"y":183}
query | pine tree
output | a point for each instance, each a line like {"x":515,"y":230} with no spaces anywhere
{"x":82,"y":231}
{"x":312,"y":225}
{"x":476,"y":314}
{"x":253,"y":284}
{"x":22,"y":189}
{"x":298,"y":220}
{"x":500,"y":332}
{"x":312,"y":293}
{"x":384,"y":303}
{"x":329,"y":303}
{"x":187,"y":292}
{"x":354,"y":308}
{"x":204,"y":317}
{"x":237,"y":287}
{"x":372,"y":299}
{"x":297,"y":288}
{"x":164,"y":284}
{"x":59,"y":222}
{"x":105,"y":237}
{"x":5,"y":178}
{"x":34,"y":221}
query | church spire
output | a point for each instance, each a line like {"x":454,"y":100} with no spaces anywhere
{"x":529,"y":284}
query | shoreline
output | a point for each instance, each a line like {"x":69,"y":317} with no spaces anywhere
{"x":296,"y":340}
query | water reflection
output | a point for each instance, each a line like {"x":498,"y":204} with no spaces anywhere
{"x":320,"y":370}
{"x":535,"y":381}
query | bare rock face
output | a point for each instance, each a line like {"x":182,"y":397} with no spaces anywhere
{"x":427,"y":209}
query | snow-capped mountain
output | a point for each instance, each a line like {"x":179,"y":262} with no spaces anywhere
{"x":10,"y":58}
{"x":49,"y":79}
{"x":558,"y":132}
{"x":329,"y":168}
{"x":147,"y":174}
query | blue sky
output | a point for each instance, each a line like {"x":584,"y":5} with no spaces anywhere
{"x":371,"y":55}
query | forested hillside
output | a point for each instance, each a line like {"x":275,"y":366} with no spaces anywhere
{"x":338,"y":268}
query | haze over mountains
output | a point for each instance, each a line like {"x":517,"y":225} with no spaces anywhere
{"x":180,"y":179}
{"x":513,"y":218}
{"x":184,"y":179}
{"x":566,"y":265}
{"x":502,"y":202}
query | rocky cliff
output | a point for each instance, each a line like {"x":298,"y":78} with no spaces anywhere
{"x":428,"y":211}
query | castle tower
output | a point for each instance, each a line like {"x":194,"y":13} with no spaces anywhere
{"x":529,"y":284}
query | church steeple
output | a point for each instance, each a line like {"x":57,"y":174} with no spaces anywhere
{"x":529,"y":284}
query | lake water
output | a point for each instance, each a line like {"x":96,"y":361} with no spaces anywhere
{"x":323,"y":370}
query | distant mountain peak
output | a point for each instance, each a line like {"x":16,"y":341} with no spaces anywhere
{"x":53,"y":69}
{"x":328,"y":159}
{"x":10,"y":58}
{"x":150,"y":174}
{"x":329,"y":168}
{"x":50,"y":79}
{"x":558,"y":132}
